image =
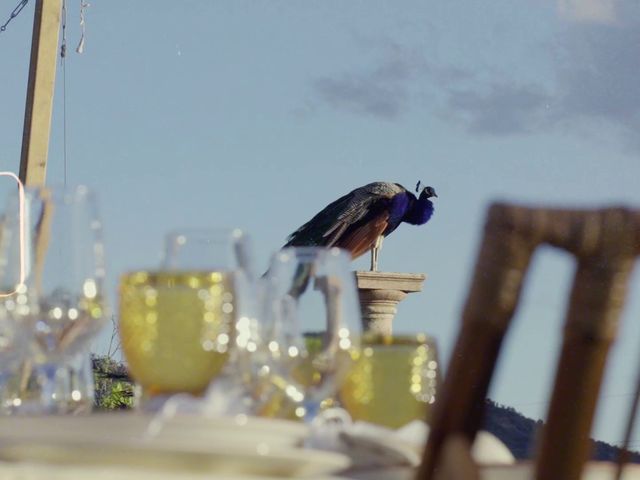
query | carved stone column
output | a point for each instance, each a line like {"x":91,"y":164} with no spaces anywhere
{"x":380,"y":293}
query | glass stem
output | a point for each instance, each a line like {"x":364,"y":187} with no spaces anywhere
{"x":311,"y":410}
{"x":6,"y":402}
{"x":50,"y":378}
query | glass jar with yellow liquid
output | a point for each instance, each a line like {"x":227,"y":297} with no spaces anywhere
{"x":179,"y":324}
{"x":393,"y":381}
{"x":175,"y":328}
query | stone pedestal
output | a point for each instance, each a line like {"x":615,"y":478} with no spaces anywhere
{"x":380,"y":293}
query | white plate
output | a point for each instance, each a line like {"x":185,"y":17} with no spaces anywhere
{"x":220,"y":460}
{"x":371,"y":445}
{"x":34,"y":471}
{"x":182,"y":430}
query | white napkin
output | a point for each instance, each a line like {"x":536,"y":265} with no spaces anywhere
{"x":371,"y":445}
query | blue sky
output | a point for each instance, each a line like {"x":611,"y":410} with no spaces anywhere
{"x":257,"y":114}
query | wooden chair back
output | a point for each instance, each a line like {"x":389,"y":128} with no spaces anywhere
{"x":605,"y":244}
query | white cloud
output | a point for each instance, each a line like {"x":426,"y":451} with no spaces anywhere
{"x":591,"y":11}
{"x":499,"y":108}
{"x":595,"y":88}
{"x":363,"y":94}
{"x":381,"y":91}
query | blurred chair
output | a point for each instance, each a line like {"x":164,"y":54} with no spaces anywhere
{"x":605,"y":244}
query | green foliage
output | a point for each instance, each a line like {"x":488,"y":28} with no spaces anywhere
{"x":113,"y":387}
{"x":120,"y":397}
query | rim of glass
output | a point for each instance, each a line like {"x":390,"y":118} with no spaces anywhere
{"x":206,"y":233}
{"x":407,"y":339}
{"x":162,"y":275}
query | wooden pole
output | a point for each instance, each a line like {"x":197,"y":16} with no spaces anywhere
{"x":39,"y":105}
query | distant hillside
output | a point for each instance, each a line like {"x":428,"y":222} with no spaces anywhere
{"x":519,"y":432}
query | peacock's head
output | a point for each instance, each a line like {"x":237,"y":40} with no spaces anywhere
{"x":427,"y":192}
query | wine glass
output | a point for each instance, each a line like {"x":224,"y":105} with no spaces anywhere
{"x":313,"y":322}
{"x":62,"y":294}
{"x":406,"y":365}
{"x":182,"y":324}
{"x":13,"y":338}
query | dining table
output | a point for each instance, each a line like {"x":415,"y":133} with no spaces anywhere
{"x":124,"y":445}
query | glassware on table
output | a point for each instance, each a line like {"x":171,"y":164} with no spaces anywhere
{"x":80,"y":383}
{"x":13,"y":338}
{"x":62,"y":295}
{"x":181,"y":324}
{"x":394,"y":380}
{"x":312,"y":321}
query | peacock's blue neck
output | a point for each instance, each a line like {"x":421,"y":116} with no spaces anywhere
{"x":420,"y":212}
{"x":398,"y":208}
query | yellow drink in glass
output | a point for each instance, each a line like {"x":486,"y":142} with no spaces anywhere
{"x":393,"y":381}
{"x":313,"y":369}
{"x":309,"y":368}
{"x":176,"y":328}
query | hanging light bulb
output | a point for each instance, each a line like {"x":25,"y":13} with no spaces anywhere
{"x":83,"y":6}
